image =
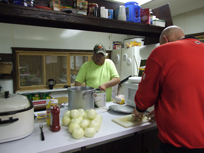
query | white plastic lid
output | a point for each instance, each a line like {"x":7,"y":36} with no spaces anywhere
{"x":54,"y":101}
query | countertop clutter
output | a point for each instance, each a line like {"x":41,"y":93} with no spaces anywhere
{"x":62,"y":141}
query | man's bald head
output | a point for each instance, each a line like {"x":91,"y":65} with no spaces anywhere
{"x":170,"y":34}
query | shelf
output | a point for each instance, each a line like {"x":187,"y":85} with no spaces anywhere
{"x":41,"y":90}
{"x":17,"y":14}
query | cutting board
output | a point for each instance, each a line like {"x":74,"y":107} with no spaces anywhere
{"x":123,"y":121}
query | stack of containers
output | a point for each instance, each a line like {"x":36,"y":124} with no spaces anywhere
{"x":132,"y":12}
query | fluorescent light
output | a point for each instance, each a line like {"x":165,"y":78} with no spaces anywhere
{"x":141,"y":2}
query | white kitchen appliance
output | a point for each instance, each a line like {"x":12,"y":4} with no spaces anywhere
{"x":131,"y":59}
{"x":116,"y":58}
{"x":16,"y":117}
{"x":131,"y":87}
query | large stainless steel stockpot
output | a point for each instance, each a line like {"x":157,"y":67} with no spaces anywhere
{"x":81,"y":97}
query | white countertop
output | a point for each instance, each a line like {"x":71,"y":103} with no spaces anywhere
{"x":56,"y":142}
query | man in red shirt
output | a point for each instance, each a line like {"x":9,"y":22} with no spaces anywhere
{"x":173,"y":81}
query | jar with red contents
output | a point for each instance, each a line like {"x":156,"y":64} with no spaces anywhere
{"x":92,"y":9}
{"x":55,"y":117}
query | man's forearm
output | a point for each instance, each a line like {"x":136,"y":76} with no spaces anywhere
{"x":112,"y":82}
{"x":78,"y":83}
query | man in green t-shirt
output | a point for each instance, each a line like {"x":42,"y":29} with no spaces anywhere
{"x":99,"y":73}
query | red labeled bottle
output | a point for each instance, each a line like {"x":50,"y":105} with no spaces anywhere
{"x":55,"y":118}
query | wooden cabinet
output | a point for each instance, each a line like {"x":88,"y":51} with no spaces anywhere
{"x":145,"y":141}
{"x":33,"y":69}
{"x":151,"y":142}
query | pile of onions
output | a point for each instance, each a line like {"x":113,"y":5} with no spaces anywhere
{"x":81,"y":123}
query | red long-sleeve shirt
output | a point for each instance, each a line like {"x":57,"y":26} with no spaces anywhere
{"x":173,"y":81}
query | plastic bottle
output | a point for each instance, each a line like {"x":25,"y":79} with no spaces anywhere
{"x":151,"y":16}
{"x":122,"y":13}
{"x":55,"y":116}
{"x":48,"y":113}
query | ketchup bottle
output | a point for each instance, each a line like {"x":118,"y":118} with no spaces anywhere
{"x":55,"y":118}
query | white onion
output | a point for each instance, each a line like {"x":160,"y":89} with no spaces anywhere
{"x":81,"y":111}
{"x":131,"y":118}
{"x":75,"y":120}
{"x":91,"y":114}
{"x":90,"y":132}
{"x":95,"y":124}
{"x":83,"y":115}
{"x":80,"y":119}
{"x":84,"y":123}
{"x":74,"y":113}
{"x":78,"y":133}
{"x":98,"y":116}
{"x":67,"y":113}
{"x":66,"y":120}
{"x":72,"y":126}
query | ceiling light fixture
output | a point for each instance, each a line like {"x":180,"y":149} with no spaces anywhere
{"x":140,"y":2}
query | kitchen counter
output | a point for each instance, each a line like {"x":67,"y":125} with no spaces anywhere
{"x":62,"y":141}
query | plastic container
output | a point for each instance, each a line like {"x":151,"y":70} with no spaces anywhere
{"x":55,"y":116}
{"x":122,"y":13}
{"x":110,"y":13}
{"x":132,"y":12}
{"x":52,"y":102}
{"x":48,"y":113}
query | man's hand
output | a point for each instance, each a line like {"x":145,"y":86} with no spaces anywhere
{"x":102,"y":87}
{"x":136,"y":113}
{"x":151,"y":115}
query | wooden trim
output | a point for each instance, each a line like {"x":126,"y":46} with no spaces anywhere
{"x":68,"y":70}
{"x":17,"y":72}
{"x":44,"y":69}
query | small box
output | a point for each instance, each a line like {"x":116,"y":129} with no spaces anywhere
{"x":145,"y":16}
{"x":79,"y":4}
{"x":160,"y":23}
{"x":5,"y":68}
{"x":55,"y":5}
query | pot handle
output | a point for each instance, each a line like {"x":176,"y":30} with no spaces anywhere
{"x":91,"y":92}
{"x":10,"y":120}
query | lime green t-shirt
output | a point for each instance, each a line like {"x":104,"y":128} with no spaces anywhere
{"x":95,"y":75}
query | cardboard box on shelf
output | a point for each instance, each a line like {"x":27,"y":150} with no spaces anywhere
{"x":79,"y":4}
{"x":5,"y":68}
{"x":55,"y":5}
{"x":145,"y":16}
{"x":158,"y":22}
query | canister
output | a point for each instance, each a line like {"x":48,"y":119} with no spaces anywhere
{"x":110,"y":13}
{"x":92,"y":9}
{"x":46,"y":95}
{"x":133,"y":12}
{"x":99,"y":98}
{"x":36,"y":96}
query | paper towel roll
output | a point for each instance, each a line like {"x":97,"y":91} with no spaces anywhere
{"x":134,"y":79}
